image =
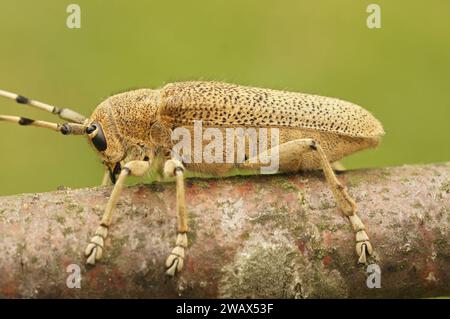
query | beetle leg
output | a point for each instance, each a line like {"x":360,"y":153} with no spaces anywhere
{"x":175,"y":261}
{"x":289,"y":160}
{"x":94,"y":249}
{"x":345,"y":203}
{"x":106,"y":180}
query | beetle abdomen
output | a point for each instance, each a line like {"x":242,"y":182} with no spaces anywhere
{"x":222,"y":104}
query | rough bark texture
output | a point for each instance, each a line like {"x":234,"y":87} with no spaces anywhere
{"x":263,"y":236}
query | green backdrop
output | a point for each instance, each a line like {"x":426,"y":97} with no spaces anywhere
{"x":400,"y":72}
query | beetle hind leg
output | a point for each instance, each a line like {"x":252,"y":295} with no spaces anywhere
{"x":289,"y":160}
{"x":346,"y":204}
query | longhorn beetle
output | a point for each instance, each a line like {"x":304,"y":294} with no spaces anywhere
{"x":131,"y":133}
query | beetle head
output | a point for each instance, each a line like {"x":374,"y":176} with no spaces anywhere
{"x":121,"y":122}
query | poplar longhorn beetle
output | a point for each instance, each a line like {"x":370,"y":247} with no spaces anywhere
{"x":131,"y":133}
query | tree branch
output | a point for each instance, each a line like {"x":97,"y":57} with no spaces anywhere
{"x":262,"y":236}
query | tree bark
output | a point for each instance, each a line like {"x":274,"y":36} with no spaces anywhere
{"x":278,"y":236}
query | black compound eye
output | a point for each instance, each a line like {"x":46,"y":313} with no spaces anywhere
{"x":97,"y":136}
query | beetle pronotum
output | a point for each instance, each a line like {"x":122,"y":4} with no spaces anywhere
{"x":131,"y":133}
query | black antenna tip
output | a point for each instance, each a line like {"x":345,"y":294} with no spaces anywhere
{"x":22,"y":99}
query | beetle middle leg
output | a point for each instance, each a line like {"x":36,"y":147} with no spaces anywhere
{"x":290,"y":160}
{"x":175,"y":261}
{"x":94,"y":249}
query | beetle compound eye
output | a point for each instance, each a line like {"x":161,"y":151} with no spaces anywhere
{"x":97,"y":136}
{"x":99,"y":140}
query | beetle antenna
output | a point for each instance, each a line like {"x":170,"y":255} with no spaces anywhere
{"x":66,"y":128}
{"x":66,"y":114}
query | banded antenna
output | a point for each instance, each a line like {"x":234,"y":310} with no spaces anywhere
{"x":76,"y":127}
{"x":66,"y":114}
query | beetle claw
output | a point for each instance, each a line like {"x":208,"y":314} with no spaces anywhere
{"x":94,"y":250}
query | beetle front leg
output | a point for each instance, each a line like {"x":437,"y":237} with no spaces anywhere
{"x":94,"y":249}
{"x":175,"y":261}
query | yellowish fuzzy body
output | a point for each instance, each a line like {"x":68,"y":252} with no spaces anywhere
{"x":139,"y":123}
{"x":313,"y":131}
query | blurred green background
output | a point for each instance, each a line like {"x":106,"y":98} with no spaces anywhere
{"x":400,"y":72}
